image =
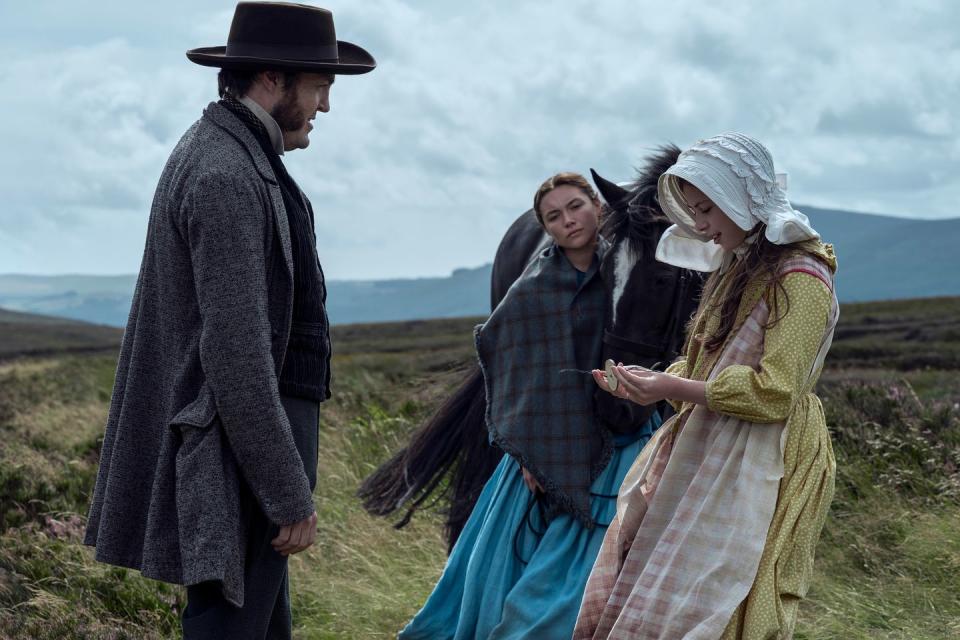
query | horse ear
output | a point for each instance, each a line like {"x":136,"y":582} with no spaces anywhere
{"x":614,"y":194}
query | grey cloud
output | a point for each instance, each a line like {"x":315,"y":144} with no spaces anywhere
{"x":876,"y":119}
{"x":473,"y":105}
{"x":52,"y":25}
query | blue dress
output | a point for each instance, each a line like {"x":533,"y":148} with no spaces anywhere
{"x":513,"y":575}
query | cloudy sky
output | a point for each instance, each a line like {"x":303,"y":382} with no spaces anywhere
{"x":421,"y":165}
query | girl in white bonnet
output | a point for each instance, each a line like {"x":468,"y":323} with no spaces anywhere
{"x":718,"y":518}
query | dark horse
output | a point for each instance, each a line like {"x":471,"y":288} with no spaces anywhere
{"x":649,"y":303}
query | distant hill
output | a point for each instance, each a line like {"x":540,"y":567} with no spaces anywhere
{"x":881,"y":258}
{"x":886,"y":258}
{"x":27,"y":334}
{"x":96,"y":299}
{"x":466,"y":292}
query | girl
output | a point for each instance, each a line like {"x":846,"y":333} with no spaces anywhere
{"x":718,"y":519}
{"x":519,"y":568}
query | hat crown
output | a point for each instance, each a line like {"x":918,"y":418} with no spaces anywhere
{"x":286,"y":37}
{"x":282,"y":30}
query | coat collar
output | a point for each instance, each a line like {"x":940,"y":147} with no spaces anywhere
{"x":223,"y":118}
{"x":273,"y":129}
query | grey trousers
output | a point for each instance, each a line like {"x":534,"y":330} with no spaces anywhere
{"x":265,"y":613}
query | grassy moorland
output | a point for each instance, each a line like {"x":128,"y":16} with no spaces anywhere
{"x":888,"y":564}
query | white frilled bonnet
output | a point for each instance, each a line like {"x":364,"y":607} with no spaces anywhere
{"x":736,"y":173}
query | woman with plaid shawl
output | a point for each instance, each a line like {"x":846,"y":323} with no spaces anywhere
{"x":718,"y":518}
{"x":520,"y":565}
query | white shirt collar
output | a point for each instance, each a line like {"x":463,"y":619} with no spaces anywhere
{"x":273,"y":129}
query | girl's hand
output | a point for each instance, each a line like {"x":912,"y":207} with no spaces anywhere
{"x":641,"y":386}
{"x":649,"y":387}
{"x":530,"y":481}
{"x":601,"y":379}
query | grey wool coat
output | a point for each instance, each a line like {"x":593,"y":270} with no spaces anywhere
{"x":196,"y":404}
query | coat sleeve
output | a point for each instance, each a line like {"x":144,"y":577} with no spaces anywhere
{"x":227,"y":226}
{"x":768,"y":394}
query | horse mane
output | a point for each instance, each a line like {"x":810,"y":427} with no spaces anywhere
{"x":642,"y":221}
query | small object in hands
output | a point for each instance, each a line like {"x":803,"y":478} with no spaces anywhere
{"x":612,"y":381}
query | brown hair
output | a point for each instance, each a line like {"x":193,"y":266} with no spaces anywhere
{"x":237,"y":82}
{"x":762,"y":258}
{"x":564,"y":178}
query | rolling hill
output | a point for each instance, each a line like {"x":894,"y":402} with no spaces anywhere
{"x":26,"y":334}
{"x":881,"y":258}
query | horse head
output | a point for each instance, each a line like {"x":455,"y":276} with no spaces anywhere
{"x":649,"y":302}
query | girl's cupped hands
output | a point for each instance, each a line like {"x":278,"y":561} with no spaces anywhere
{"x":635,"y":384}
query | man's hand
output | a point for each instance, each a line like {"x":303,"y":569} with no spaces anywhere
{"x":294,"y":538}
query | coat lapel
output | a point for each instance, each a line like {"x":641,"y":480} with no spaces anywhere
{"x":223,"y":118}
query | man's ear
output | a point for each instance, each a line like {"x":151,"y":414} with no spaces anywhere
{"x":271,"y":81}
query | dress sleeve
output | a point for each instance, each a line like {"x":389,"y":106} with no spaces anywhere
{"x":677,"y":368}
{"x":768,"y":394}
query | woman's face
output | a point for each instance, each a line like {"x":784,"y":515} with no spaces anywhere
{"x":570,"y":217}
{"x":709,"y":220}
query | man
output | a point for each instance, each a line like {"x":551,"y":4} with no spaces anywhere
{"x":209,"y":458}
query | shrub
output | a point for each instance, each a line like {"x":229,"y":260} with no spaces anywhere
{"x":886,"y":437}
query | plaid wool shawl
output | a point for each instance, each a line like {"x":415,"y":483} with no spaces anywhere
{"x":541,"y":415}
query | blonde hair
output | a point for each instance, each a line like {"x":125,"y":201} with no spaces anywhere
{"x":564,"y":178}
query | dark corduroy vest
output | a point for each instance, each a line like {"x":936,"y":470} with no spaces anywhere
{"x":306,"y":367}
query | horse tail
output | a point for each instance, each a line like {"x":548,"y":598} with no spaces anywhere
{"x":453,"y":440}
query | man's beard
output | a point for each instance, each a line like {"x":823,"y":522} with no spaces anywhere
{"x":287,"y":113}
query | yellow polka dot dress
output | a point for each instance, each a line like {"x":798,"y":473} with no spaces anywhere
{"x":780,"y":389}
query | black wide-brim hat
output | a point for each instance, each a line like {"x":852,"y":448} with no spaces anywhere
{"x":286,"y":37}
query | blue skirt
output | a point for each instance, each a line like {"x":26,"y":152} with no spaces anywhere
{"x":514,"y":575}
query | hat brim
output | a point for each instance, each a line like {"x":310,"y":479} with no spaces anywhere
{"x":353,"y":60}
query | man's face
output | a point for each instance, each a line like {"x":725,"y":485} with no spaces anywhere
{"x":299,"y":105}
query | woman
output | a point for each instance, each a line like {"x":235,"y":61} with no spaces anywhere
{"x":520,"y":565}
{"x":718,"y":519}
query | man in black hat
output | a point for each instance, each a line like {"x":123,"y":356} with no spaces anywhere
{"x":209,"y":458}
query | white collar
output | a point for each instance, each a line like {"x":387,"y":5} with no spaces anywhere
{"x":273,"y":129}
